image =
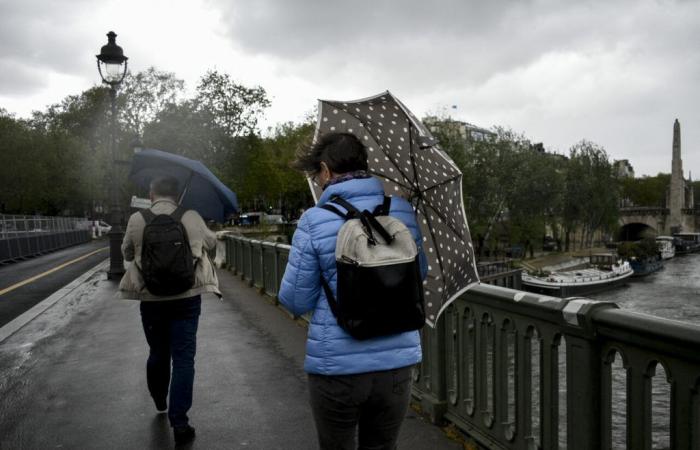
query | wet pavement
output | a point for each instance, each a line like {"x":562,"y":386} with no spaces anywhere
{"x":74,"y":378}
{"x":49,"y":272}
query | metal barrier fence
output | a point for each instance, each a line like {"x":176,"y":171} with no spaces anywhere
{"x":517,"y":370}
{"x":12,"y":226}
{"x":500,"y":273}
{"x":27,"y":236}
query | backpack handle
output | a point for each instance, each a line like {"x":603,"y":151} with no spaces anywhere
{"x":367,"y":218}
{"x":371,"y":222}
{"x":384,"y":208}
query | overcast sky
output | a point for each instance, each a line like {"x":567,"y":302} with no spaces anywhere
{"x":614,"y":72}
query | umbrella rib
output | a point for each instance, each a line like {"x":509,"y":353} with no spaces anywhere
{"x":444,"y":219}
{"x":414,"y":184}
{"x":437,"y":252}
{"x":413,"y":187}
{"x":442,"y":183}
{"x":381,"y":175}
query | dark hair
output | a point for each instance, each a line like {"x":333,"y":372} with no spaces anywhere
{"x":165,"y":186}
{"x":342,"y":153}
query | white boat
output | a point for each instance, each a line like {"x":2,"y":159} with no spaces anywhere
{"x":578,"y":282}
{"x":666,"y":246}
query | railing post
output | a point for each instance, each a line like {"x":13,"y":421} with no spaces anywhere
{"x":549,"y":391}
{"x":638,"y":404}
{"x":682,"y":410}
{"x":584,"y":374}
{"x":275,"y":270}
{"x":433,"y":395}
{"x":249,"y":244}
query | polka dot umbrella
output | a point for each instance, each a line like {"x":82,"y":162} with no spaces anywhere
{"x":405,"y":156}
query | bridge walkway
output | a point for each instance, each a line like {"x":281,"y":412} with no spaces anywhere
{"x":74,"y":377}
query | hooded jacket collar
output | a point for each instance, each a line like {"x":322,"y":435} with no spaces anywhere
{"x":352,"y":188}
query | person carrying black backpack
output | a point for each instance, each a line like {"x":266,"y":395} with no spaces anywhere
{"x":169,"y":271}
{"x":357,"y":265}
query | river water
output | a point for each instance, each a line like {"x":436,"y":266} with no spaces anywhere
{"x":672,"y":293}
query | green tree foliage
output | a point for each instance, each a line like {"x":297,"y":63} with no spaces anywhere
{"x":512,"y":190}
{"x":235,"y":108}
{"x":268,"y":181}
{"x":216,"y":127}
{"x":60,"y":161}
{"x":144,"y":95}
{"x":189,"y":131}
{"x":645,"y":191}
{"x":535,"y":200}
{"x":646,"y":248}
{"x":591,"y":194}
{"x":515,"y":193}
{"x":41,"y":169}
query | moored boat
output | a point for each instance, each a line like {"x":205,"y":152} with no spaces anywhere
{"x":646,"y":266}
{"x":686,"y":242}
{"x":666,"y":247}
{"x":578,"y":282}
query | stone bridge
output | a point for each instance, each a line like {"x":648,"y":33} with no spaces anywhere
{"x":637,"y":222}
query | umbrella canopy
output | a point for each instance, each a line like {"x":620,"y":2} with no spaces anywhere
{"x":199,"y":188}
{"x":405,"y":156}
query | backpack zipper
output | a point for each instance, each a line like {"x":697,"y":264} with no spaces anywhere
{"x":349,"y":260}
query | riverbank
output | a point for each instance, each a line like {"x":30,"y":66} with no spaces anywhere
{"x":559,"y":259}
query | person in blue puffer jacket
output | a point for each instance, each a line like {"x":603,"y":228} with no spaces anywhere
{"x":351,"y":382}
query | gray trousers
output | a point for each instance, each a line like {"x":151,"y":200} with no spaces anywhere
{"x":369,"y":405}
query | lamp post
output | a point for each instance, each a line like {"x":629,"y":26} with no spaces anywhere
{"x":111,"y":64}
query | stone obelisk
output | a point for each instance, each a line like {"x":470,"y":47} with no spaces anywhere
{"x":677,"y":189}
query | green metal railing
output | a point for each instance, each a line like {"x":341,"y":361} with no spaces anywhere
{"x":517,"y":370}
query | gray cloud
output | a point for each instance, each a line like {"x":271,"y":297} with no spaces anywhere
{"x":437,"y":41}
{"x":37,"y":38}
{"x":615,"y":71}
{"x":18,"y":79}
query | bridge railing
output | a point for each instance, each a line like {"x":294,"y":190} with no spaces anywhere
{"x":644,"y":211}
{"x":517,"y":370}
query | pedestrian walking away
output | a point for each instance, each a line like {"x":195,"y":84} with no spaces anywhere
{"x":169,"y":271}
{"x":359,"y":377}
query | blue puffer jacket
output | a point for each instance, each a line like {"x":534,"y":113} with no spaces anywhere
{"x":329,"y":349}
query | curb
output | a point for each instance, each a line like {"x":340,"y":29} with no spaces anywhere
{"x":17,"y":323}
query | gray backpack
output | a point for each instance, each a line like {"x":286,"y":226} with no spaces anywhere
{"x":379,"y":289}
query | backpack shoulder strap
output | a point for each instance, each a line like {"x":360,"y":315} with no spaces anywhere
{"x":178,"y":213}
{"x":332,"y":302}
{"x":147,"y":215}
{"x":334,"y":210}
{"x":352,"y":212}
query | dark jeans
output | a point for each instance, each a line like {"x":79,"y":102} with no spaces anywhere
{"x":171,"y":332}
{"x":374,"y":402}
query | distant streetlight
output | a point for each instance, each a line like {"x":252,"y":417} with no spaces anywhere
{"x":111,"y":64}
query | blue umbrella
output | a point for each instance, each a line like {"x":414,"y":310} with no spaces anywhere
{"x":200,"y":189}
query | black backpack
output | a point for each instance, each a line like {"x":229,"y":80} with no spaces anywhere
{"x":380,"y":291}
{"x":167,"y":264}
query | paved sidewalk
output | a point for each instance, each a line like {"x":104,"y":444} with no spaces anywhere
{"x":74,"y":378}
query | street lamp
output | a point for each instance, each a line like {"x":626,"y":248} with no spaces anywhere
{"x":111,"y":64}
